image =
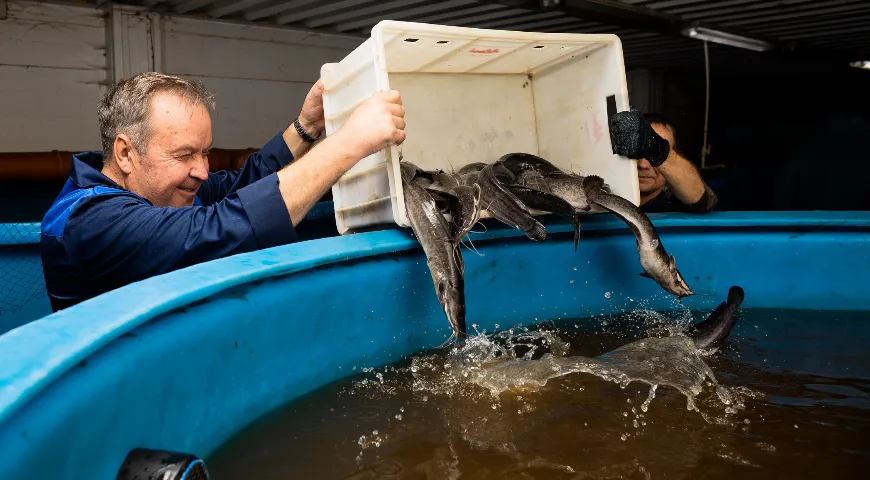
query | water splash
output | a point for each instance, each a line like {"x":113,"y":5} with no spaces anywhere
{"x":484,"y":386}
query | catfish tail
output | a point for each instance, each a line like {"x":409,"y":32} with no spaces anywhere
{"x":718,"y":325}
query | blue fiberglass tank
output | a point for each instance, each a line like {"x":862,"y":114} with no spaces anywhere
{"x":182,"y":361}
{"x":22,"y":286}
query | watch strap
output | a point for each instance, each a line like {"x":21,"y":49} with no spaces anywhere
{"x":302,"y":133}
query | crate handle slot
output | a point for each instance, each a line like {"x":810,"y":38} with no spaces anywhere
{"x":365,"y":204}
{"x":346,"y":110}
{"x":355,"y":173}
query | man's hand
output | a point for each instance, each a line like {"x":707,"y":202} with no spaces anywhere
{"x":376,"y":124}
{"x":311,"y":115}
{"x":633,"y":137}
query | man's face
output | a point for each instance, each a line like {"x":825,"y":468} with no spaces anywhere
{"x":650,"y":179}
{"x":175,"y":164}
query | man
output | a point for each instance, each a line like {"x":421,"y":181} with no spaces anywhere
{"x":147,"y":204}
{"x":668,"y":181}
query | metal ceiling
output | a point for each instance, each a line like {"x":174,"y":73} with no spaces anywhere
{"x":648,"y":28}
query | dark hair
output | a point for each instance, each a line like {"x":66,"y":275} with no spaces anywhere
{"x":662,"y":120}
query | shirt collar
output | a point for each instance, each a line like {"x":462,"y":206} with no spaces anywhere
{"x":85,"y":171}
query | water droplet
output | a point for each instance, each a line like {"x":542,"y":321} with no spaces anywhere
{"x":606,"y":294}
{"x":398,"y":416}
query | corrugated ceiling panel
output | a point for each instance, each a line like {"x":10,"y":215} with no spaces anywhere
{"x":836,"y":24}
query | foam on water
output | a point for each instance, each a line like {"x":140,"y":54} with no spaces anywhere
{"x":485,"y":383}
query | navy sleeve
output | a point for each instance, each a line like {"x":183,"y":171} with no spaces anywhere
{"x":274,"y":156}
{"x":114,"y":240}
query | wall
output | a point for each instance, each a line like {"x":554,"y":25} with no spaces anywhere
{"x":57,"y":59}
{"x":260,"y":76}
{"x":52,"y":73}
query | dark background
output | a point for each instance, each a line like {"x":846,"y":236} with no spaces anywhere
{"x":796,"y":139}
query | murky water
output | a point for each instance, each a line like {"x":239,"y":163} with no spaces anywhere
{"x":612,"y":397}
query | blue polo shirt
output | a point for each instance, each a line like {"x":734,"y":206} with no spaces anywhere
{"x":97,"y":236}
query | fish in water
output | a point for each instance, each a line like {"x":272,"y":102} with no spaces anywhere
{"x":654,"y":260}
{"x":715,"y":329}
{"x":673,"y":360}
{"x":504,"y":205}
{"x":444,"y":260}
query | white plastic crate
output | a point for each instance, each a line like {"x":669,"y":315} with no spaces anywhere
{"x":473,"y":95}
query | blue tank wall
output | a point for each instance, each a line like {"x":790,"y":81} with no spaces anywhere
{"x":22,"y":285}
{"x":184,"y":360}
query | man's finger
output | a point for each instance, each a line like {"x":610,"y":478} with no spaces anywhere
{"x":393,"y":96}
{"x":396,"y":110}
{"x":399,"y":122}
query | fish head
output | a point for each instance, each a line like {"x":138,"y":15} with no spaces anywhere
{"x":408,"y":171}
{"x":452,"y":299}
{"x":676,"y":284}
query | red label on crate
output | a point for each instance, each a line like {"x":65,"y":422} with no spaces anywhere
{"x":597,"y":129}
{"x":488,"y":51}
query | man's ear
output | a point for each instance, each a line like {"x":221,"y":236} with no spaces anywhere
{"x":124,"y":153}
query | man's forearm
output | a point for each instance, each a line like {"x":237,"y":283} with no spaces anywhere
{"x":683,"y":178}
{"x":305,"y":181}
{"x":297,"y":146}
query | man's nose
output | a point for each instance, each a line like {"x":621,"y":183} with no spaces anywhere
{"x":200,"y":169}
{"x":643,"y":164}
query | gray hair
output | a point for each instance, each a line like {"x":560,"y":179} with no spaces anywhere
{"x":125,"y":106}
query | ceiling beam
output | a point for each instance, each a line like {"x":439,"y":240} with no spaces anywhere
{"x":614,"y":12}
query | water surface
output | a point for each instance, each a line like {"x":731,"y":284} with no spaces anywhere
{"x":610,"y":397}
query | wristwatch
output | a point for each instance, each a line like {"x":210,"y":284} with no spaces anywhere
{"x":302,"y":133}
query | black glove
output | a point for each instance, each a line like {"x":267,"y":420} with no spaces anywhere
{"x":633,"y":137}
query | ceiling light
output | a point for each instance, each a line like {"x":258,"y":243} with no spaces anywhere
{"x":724,"y":38}
{"x":861,"y":64}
